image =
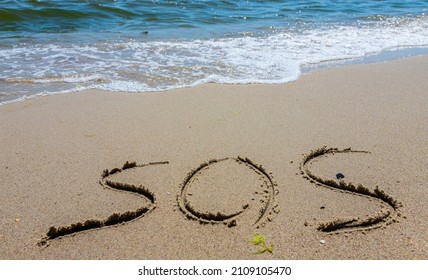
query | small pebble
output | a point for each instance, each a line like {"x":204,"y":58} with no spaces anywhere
{"x":322,"y":241}
{"x":340,"y":176}
{"x":17,"y":220}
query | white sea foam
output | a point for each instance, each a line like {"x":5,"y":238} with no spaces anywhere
{"x":152,"y":65}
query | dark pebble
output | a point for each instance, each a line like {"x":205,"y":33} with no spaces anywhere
{"x":340,"y":176}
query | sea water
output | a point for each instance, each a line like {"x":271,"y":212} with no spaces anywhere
{"x":50,"y":47}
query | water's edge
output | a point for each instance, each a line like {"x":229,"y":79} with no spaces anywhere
{"x":384,"y":56}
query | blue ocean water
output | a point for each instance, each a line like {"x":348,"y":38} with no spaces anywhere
{"x":49,"y":47}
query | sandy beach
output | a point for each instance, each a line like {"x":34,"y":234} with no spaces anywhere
{"x":196,"y":173}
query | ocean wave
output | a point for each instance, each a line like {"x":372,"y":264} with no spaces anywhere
{"x":147,"y":63}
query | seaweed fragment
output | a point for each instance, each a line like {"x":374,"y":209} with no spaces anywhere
{"x":259,"y":240}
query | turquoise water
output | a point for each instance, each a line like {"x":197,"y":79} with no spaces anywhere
{"x":49,"y":47}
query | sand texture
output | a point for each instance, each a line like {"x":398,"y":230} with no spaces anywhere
{"x":332,"y":166}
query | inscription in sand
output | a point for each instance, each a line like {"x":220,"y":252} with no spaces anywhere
{"x":247,"y":196}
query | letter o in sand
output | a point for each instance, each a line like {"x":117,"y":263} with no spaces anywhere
{"x":230,"y":191}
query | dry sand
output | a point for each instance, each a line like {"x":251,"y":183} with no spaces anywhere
{"x":54,"y":150}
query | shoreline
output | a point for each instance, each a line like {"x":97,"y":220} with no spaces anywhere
{"x":387,"y":55}
{"x":56,"y":148}
{"x":374,"y":58}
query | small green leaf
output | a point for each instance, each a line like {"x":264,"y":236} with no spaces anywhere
{"x":258,"y":239}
